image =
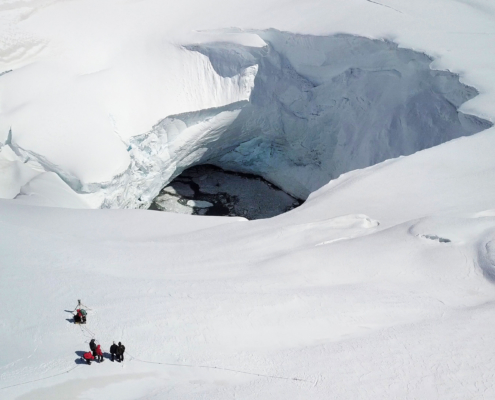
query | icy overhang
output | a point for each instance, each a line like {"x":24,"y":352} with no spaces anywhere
{"x":319,"y":107}
{"x":299,"y":111}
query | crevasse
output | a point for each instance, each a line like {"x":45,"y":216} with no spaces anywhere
{"x":315,"y":107}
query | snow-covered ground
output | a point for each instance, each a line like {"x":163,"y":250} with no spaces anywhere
{"x":381,"y":286}
{"x":350,"y":292}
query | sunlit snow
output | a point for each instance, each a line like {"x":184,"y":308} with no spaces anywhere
{"x":378,"y":113}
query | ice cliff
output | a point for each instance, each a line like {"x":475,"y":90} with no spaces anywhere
{"x":304,"y":109}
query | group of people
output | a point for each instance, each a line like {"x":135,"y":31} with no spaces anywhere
{"x":95,"y":353}
{"x":116,"y":351}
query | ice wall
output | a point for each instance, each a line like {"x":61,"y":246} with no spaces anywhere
{"x":309,"y":109}
{"x":322,"y":106}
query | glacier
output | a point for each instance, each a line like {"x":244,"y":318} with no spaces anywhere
{"x":308,"y":109}
{"x":379,"y":286}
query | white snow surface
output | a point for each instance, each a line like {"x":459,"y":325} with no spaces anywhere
{"x":353,"y":293}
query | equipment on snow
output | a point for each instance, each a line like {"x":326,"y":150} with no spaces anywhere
{"x":80,"y":317}
{"x":81,"y":305}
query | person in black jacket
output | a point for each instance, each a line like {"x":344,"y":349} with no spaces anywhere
{"x":113,"y":350}
{"x":92,"y":346}
{"x":120,"y":352}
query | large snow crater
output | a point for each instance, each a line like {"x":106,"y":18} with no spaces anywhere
{"x":316,"y":107}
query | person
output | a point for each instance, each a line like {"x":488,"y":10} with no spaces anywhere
{"x":88,"y":357}
{"x":83,"y":313}
{"x":78,"y":317}
{"x":113,"y":350}
{"x":99,"y":354}
{"x":92,"y":346}
{"x":120,"y":352}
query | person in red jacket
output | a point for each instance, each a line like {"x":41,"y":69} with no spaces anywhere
{"x":78,"y":317}
{"x":88,"y":357}
{"x":99,"y":354}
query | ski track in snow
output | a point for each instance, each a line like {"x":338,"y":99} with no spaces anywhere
{"x":384,"y":5}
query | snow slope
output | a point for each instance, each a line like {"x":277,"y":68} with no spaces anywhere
{"x":355,"y":305}
{"x":379,"y":286}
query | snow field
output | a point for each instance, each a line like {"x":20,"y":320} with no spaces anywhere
{"x":351,"y":291}
{"x":365,"y":316}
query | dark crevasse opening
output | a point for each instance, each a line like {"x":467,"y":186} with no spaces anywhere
{"x":210,"y":190}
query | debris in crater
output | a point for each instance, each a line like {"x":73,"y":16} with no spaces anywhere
{"x":210,"y":190}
